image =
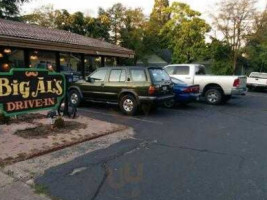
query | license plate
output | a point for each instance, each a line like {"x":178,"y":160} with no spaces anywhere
{"x":164,"y":88}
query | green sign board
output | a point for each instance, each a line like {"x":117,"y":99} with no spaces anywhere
{"x":26,"y":90}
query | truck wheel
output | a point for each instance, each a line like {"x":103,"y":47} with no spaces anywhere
{"x":213,"y":96}
{"x":128,"y":105}
{"x":75,"y":98}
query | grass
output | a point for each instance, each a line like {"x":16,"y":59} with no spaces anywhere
{"x":41,"y":189}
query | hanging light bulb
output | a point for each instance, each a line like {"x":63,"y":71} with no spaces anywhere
{"x":5,"y":67}
{"x":34,"y":57}
{"x":50,"y":67}
{"x":7,"y":51}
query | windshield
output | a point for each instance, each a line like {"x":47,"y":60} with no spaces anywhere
{"x":258,"y":75}
{"x":159,"y":75}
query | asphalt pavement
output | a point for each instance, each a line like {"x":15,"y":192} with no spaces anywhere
{"x":196,"y":152}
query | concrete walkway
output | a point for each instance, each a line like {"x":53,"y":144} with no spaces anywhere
{"x":16,"y":190}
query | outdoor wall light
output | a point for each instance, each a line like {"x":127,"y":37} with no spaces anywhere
{"x":7,"y":51}
{"x":62,"y":60}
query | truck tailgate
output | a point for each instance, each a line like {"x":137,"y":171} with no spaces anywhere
{"x":243,"y":82}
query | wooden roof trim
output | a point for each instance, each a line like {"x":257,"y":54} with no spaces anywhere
{"x":62,"y":47}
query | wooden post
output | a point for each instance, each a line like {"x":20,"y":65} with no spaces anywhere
{"x":82,"y":66}
{"x":57,"y":62}
{"x":26,"y":58}
{"x":102,"y":61}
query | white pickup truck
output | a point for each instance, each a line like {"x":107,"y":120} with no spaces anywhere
{"x":215,"y":89}
{"x":257,"y":80}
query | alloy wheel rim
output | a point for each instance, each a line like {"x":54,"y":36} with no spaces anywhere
{"x":128,"y":105}
{"x":213,"y":97}
{"x":74,"y":98}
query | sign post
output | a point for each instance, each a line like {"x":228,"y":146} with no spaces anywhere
{"x":28,"y":90}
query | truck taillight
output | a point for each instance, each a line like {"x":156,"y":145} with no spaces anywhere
{"x":151,"y":90}
{"x":236,"y":82}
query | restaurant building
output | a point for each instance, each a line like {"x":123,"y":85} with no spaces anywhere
{"x":23,"y":45}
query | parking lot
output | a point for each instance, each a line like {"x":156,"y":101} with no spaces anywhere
{"x":193,"y":152}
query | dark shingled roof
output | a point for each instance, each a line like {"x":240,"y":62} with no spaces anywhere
{"x":35,"y":32}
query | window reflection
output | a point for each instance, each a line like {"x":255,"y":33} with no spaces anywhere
{"x":43,"y":59}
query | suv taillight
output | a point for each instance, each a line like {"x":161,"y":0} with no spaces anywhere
{"x":236,"y":82}
{"x":151,"y":90}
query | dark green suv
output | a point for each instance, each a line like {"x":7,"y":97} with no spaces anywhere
{"x":129,"y":87}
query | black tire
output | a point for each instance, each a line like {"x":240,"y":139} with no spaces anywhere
{"x":226,"y":98}
{"x":128,"y":105}
{"x":74,"y":98}
{"x":214,"y":96}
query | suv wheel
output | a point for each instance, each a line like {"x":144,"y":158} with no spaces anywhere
{"x":74,"y":98}
{"x":213,"y":96}
{"x":128,"y":105}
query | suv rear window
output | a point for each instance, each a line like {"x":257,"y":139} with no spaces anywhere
{"x":138,"y":75}
{"x":159,"y":75}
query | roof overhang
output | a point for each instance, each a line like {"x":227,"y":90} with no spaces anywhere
{"x":63,"y":47}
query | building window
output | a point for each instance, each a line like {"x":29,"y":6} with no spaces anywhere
{"x":11,"y":58}
{"x":43,"y":59}
{"x":70,"y":62}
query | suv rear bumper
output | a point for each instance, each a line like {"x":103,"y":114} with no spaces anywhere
{"x":153,"y":99}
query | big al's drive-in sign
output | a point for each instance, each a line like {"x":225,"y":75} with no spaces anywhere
{"x":26,"y":90}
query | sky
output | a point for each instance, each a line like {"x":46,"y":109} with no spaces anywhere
{"x":90,"y":7}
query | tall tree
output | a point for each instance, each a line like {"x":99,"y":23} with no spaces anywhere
{"x":185,"y":33}
{"x":234,"y":19}
{"x":158,"y":18}
{"x":9,"y":9}
{"x":116,"y":14}
{"x":256,"y":49}
{"x":132,"y":32}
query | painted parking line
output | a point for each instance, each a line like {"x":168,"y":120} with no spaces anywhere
{"x":126,"y":117}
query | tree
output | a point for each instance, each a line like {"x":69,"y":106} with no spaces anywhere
{"x":185,"y":33}
{"x":234,"y":20}
{"x":132,"y":32}
{"x":158,"y":18}
{"x":44,"y":16}
{"x":256,"y":49}
{"x":9,"y":9}
{"x":116,"y":14}
{"x":220,"y":55}
{"x":77,"y":23}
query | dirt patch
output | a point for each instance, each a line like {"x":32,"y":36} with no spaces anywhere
{"x":42,"y":131}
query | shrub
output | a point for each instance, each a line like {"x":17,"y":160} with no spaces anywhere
{"x":4,"y":119}
{"x":59,"y":123}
